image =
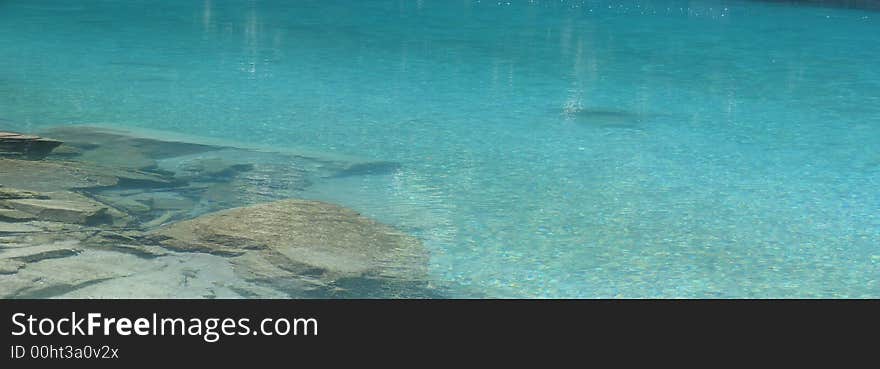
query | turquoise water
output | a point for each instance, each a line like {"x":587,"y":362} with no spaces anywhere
{"x":547,"y":148}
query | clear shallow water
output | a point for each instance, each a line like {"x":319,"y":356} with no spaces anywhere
{"x":548,"y":148}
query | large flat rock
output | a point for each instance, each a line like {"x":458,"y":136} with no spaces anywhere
{"x":65,"y":175}
{"x":317,"y":242}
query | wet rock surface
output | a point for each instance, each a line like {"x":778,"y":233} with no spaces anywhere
{"x":113,"y":214}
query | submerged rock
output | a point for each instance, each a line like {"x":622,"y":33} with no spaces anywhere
{"x":12,"y":193}
{"x":142,"y":251}
{"x":117,"y":156}
{"x":164,"y":218}
{"x":127,"y":204}
{"x":164,"y":201}
{"x":88,"y":262}
{"x":119,"y":148}
{"x":11,"y":215}
{"x":54,"y":276}
{"x":35,"y":253}
{"x":188,"y":275}
{"x":73,"y":224}
{"x":30,"y":147}
{"x":8,"y":266}
{"x":49,"y":176}
{"x":17,"y":228}
{"x":313,"y":242}
{"x":66,"y":207}
{"x":62,"y":175}
{"x":66,"y":151}
{"x":232,"y":178}
{"x":212,"y":168}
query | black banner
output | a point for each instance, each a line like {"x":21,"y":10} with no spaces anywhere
{"x":115,"y":332}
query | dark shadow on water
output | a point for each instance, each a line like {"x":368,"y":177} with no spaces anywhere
{"x":598,"y":117}
{"x":371,"y":168}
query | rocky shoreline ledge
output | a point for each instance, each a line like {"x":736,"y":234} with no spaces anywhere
{"x":105,"y":213}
